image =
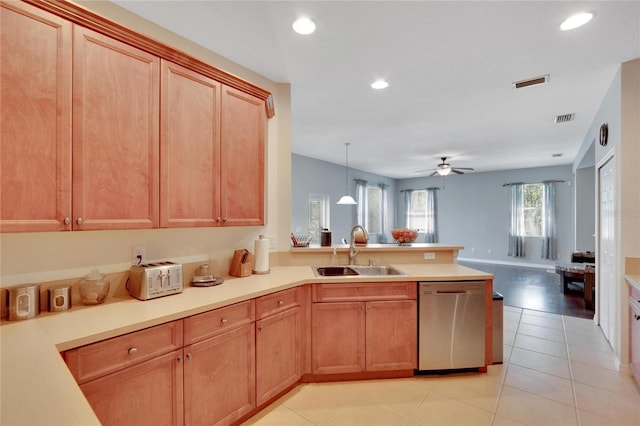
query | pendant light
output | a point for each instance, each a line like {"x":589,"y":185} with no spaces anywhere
{"x":347,"y":199}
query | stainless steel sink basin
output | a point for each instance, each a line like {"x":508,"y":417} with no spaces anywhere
{"x":351,"y":270}
{"x":377,"y":270}
{"x":333,"y":271}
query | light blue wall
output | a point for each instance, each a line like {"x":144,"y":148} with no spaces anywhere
{"x":473,"y":209}
{"x":311,"y":176}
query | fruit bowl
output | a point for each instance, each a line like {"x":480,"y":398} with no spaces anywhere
{"x":404,"y":236}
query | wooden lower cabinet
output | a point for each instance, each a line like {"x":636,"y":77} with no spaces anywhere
{"x":219,"y":378}
{"x":353,"y":337}
{"x":338,"y":337}
{"x":149,"y":393}
{"x":278,"y":353}
{"x":392,"y":335}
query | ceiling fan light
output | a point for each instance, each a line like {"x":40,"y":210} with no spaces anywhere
{"x":347,"y":200}
{"x":443,"y":169}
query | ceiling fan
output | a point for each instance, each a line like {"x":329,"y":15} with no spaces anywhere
{"x":444,"y":168}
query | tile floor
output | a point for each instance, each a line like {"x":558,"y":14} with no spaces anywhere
{"x":557,"y":370}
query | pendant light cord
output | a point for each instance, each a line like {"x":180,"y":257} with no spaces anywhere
{"x":346,"y":178}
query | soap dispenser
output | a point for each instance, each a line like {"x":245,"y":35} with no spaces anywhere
{"x":334,"y":258}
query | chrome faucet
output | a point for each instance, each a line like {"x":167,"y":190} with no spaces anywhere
{"x":352,"y":243}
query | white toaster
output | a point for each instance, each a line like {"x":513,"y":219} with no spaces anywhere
{"x":152,"y":280}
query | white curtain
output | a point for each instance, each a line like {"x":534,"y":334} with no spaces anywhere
{"x":431,"y":231}
{"x":361,"y":198}
{"x":408,"y":201}
{"x":549,"y":231}
{"x":516,"y":227}
{"x":385,"y":213}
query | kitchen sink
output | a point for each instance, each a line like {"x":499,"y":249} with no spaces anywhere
{"x":377,"y":270}
{"x":353,"y":270}
{"x":333,"y":271}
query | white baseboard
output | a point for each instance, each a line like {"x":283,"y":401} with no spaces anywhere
{"x":549,"y":267}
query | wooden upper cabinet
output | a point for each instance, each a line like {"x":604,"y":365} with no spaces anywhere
{"x":189,"y":148}
{"x":116,"y":109}
{"x":35,"y":132}
{"x":242,"y":158}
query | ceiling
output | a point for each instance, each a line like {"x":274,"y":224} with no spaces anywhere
{"x":450,"y":67}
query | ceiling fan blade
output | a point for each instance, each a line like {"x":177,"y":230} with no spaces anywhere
{"x":422,"y":171}
{"x":433,"y":174}
{"x":457,"y":172}
{"x":463,"y":168}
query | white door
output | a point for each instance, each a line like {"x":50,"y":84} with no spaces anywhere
{"x":605,"y":268}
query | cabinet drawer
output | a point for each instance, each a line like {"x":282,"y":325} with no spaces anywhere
{"x":277,"y":302}
{"x":345,"y":292}
{"x":212,"y":323}
{"x":95,"y":360}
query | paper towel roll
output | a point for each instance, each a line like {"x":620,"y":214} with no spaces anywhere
{"x":261,"y":252}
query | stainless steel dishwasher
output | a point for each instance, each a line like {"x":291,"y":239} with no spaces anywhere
{"x":451,"y":325}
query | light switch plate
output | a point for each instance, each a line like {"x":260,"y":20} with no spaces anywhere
{"x":429,"y":256}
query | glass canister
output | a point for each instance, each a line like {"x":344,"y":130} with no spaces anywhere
{"x":94,"y":288}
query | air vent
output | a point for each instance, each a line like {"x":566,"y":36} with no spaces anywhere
{"x":531,"y":82}
{"x":565,"y":118}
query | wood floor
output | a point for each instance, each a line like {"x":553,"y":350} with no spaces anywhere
{"x":535,"y":289}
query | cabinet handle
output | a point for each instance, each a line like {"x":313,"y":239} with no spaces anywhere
{"x":636,"y":317}
{"x":224,"y":219}
{"x":180,"y":359}
{"x":218,"y":219}
{"x":80,"y":221}
{"x":224,"y":320}
{"x":133,"y":351}
{"x":368,"y":307}
{"x":280,"y":302}
{"x":259,"y":328}
{"x":67,"y":221}
{"x":189,"y":355}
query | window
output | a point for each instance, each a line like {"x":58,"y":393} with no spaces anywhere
{"x":417,"y":214}
{"x":533,"y":197}
{"x":318,"y":215}
{"x":373,"y":216}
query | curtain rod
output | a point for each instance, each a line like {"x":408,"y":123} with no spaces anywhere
{"x":431,"y":187}
{"x":531,"y":183}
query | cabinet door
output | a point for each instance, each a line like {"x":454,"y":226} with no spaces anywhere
{"x":35,"y":131}
{"x":219,"y":384}
{"x":278,"y":351}
{"x":116,"y":111}
{"x":189,"y":149}
{"x":149,"y":393}
{"x":392,"y":334}
{"x":338,"y":337}
{"x":243,"y":158}
{"x":634,"y":333}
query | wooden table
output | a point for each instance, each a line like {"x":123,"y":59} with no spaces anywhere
{"x":578,"y":272}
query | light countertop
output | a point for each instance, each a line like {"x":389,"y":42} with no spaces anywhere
{"x":36,"y":386}
{"x":633,"y":280}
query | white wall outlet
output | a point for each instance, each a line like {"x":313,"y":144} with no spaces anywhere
{"x":473,"y":250}
{"x":489,"y":251}
{"x":429,"y":256}
{"x":139,"y":254}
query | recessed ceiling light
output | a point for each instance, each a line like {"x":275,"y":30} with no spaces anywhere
{"x":303,"y":26}
{"x":576,"y":21}
{"x":379,"y":84}
{"x":556,"y":155}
